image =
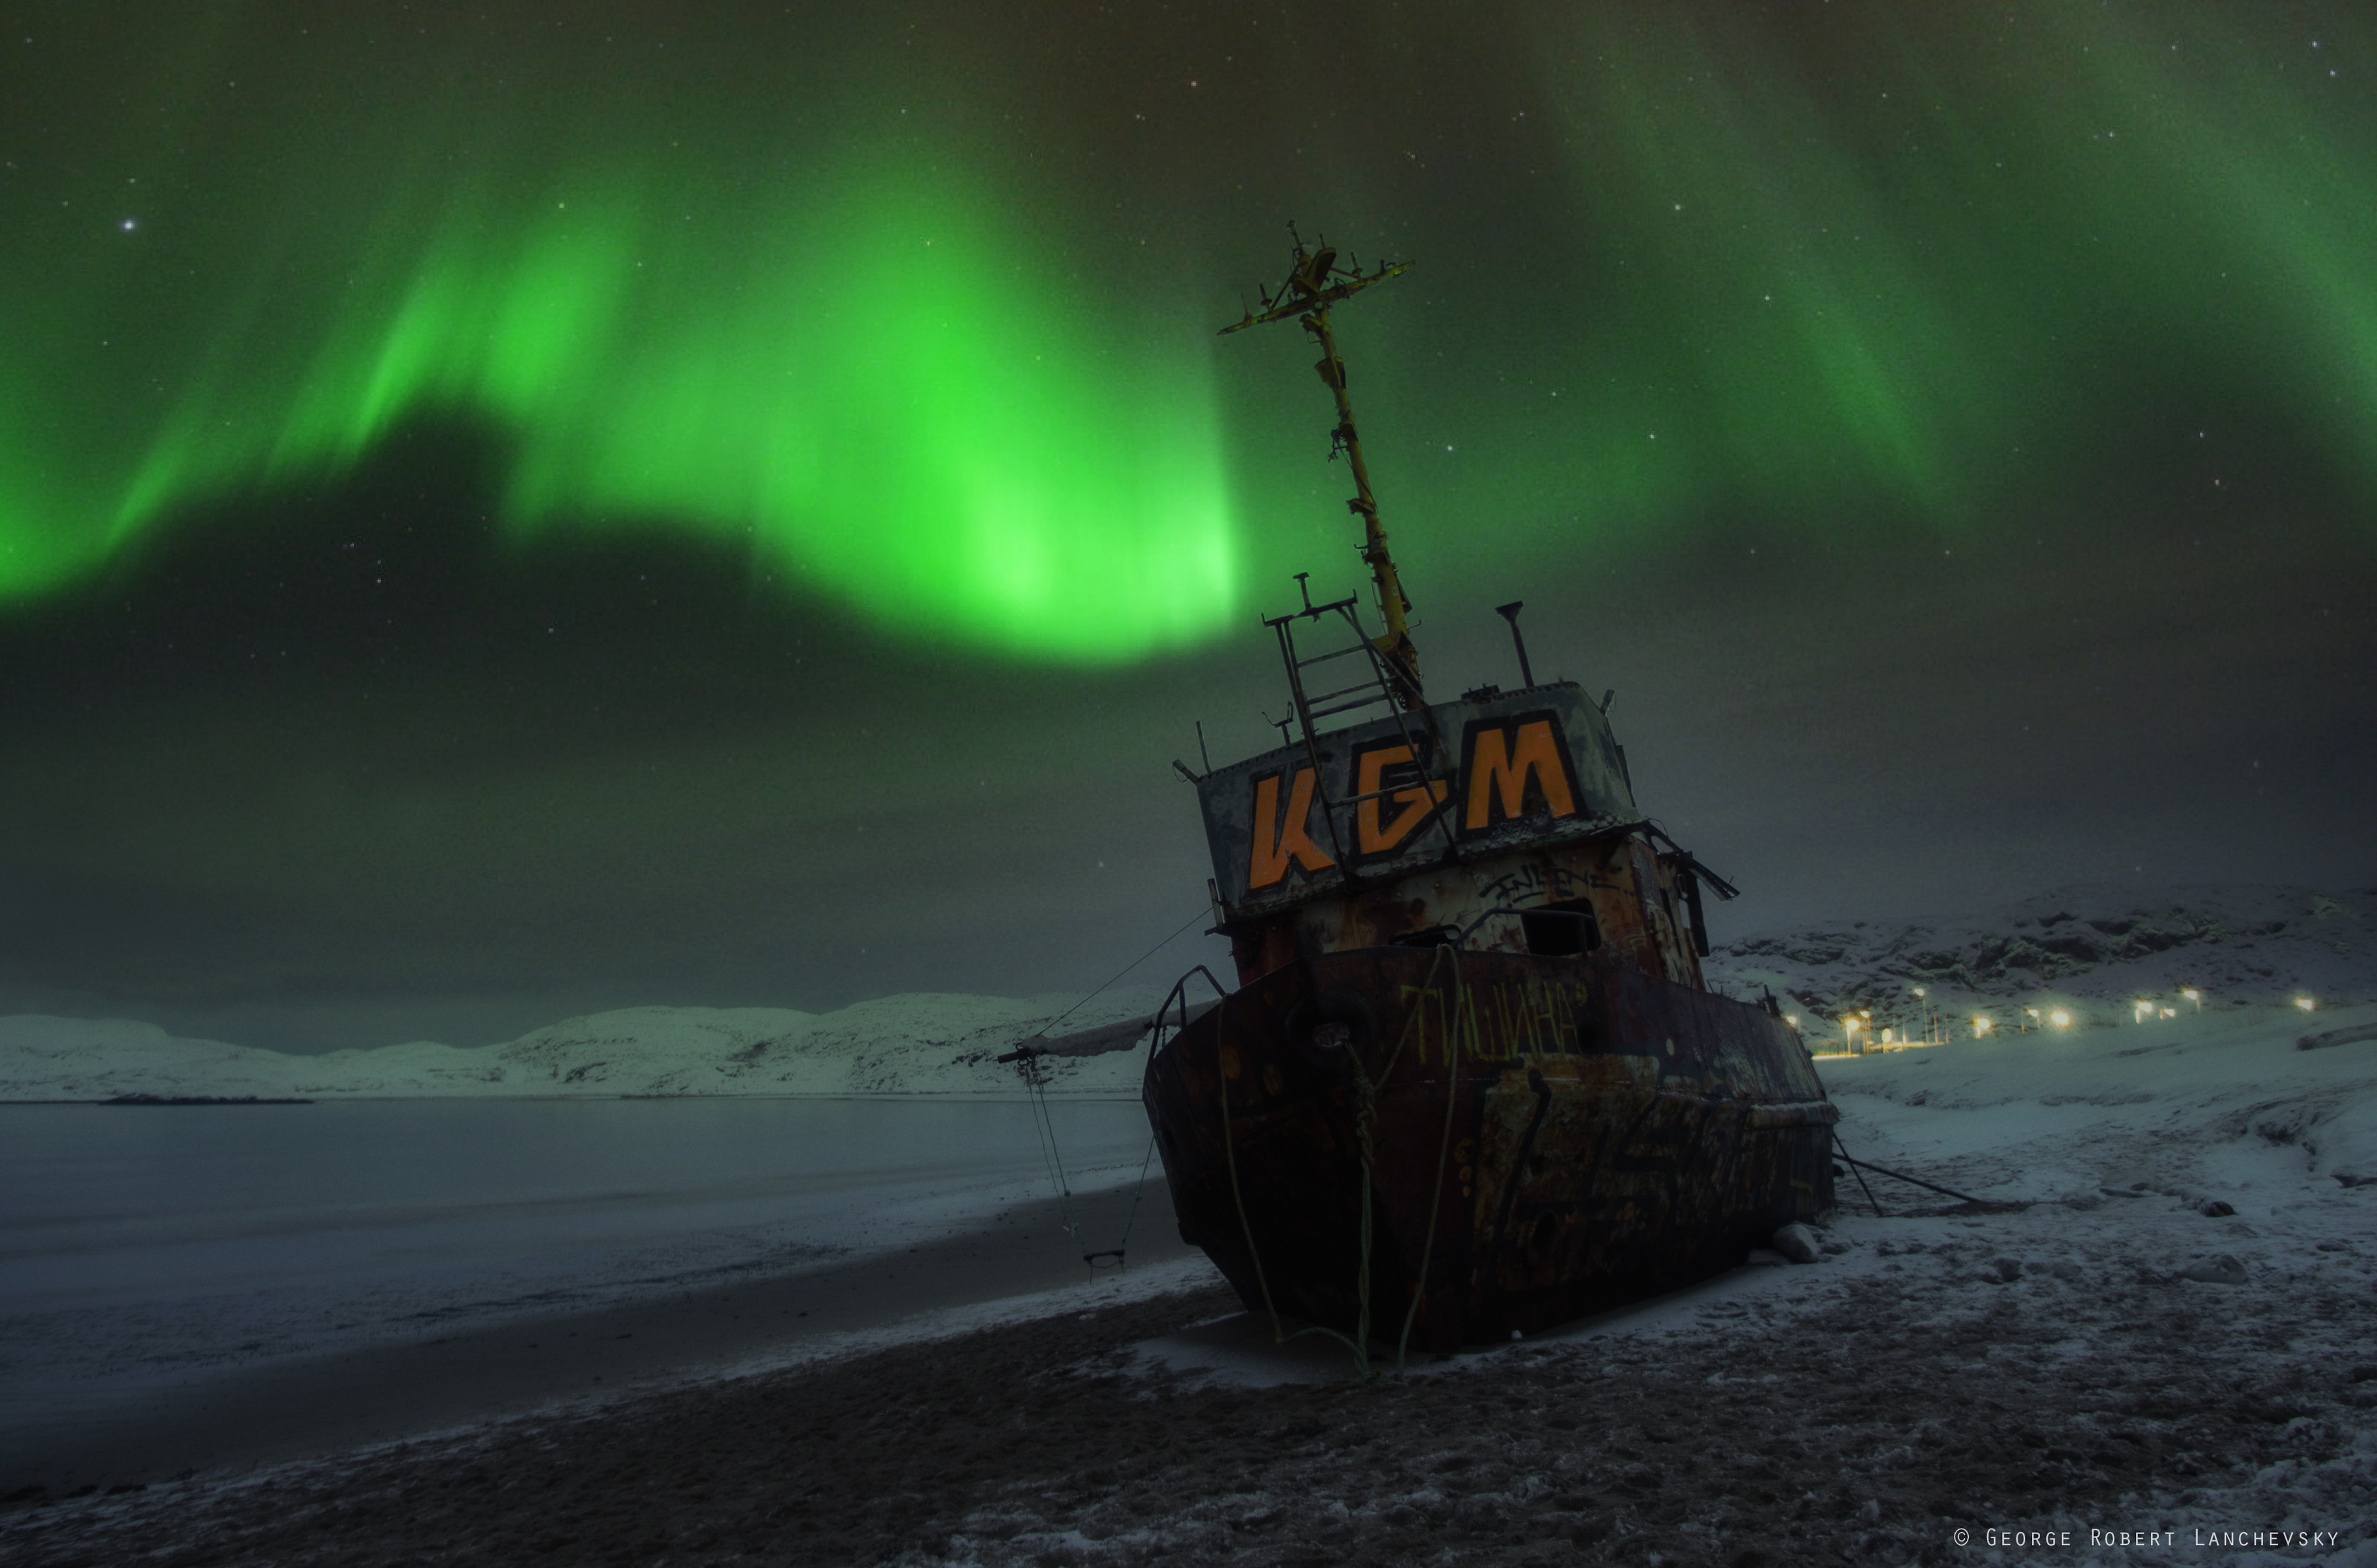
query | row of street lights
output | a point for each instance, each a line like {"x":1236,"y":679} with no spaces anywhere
{"x":1936,"y":1032}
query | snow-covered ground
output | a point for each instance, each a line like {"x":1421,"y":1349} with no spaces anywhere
{"x":905,"y":1044}
{"x":2152,"y":1343}
{"x":2095,"y":951}
{"x":2097,"y":1357}
{"x":2248,"y":1106}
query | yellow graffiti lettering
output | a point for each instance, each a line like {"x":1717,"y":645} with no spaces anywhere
{"x":1412,"y":1002}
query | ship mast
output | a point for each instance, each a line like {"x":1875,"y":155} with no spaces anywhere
{"x":1314,"y":284}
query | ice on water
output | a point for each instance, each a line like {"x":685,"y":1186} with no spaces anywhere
{"x":141,"y":1246}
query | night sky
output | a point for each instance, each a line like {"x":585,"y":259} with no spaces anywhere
{"x":509,"y":513}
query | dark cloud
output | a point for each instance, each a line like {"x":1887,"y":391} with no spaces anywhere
{"x":347,"y":768}
{"x":2030,"y":547}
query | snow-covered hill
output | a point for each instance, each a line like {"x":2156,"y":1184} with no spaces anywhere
{"x":906,"y":1045}
{"x":2092,"y":951}
{"x":2095,"y":951}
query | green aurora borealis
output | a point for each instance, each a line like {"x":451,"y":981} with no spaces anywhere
{"x":889,"y":313}
{"x":871,"y":387}
{"x":515,"y":512}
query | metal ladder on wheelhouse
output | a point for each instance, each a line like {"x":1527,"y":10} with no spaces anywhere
{"x":1382,"y":683}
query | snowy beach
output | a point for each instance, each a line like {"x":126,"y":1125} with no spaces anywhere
{"x":2155,"y":1327}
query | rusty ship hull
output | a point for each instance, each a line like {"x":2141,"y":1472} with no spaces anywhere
{"x":1547,"y":1138}
{"x":1472,"y":1078}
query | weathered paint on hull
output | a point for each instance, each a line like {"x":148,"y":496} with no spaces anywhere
{"x":1611,"y":1134}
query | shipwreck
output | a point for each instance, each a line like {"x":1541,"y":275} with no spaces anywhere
{"x":1470,"y":1082}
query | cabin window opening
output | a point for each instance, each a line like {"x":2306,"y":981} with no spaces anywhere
{"x":1561,"y":930}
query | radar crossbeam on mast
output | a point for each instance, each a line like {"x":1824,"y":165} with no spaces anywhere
{"x":1316,"y":282}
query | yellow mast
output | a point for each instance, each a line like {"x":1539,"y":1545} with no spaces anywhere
{"x":1314,"y":284}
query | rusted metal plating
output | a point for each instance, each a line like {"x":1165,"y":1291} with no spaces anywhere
{"x":1612,"y":1133}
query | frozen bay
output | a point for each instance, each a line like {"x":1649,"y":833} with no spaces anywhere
{"x":148,"y":1247}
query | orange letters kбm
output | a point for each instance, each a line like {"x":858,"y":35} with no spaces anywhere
{"x":1414,"y":801}
{"x":1501,"y":768}
{"x":1278,"y":841}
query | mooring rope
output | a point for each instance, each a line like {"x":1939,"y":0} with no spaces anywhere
{"x":1366,"y":1121}
{"x":1452,"y":1025}
{"x":1122,"y":1248}
{"x":1178,"y":993}
{"x":1262,"y":1281}
{"x":1126,"y":969}
{"x":1043,"y":1120}
{"x":1861,"y":1166}
{"x":1043,"y":1126}
{"x":1365,"y":1126}
{"x":1860,"y":1171}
